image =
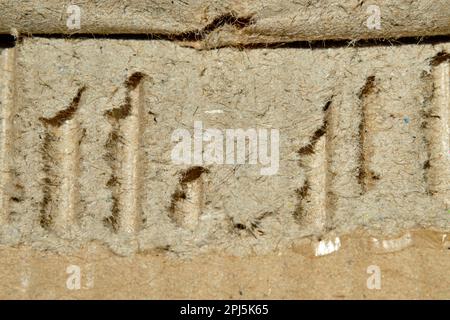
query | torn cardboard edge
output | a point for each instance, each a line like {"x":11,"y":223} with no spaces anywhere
{"x":215,"y":24}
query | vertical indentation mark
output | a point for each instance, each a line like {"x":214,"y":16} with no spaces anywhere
{"x":314,"y":203}
{"x":61,"y":156}
{"x":367,"y":96}
{"x":188,"y":199}
{"x":8,"y":79}
{"x":124,"y":157}
{"x":437,"y":132}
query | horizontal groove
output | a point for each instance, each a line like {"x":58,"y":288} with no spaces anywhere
{"x":313,"y":44}
{"x":7,"y":41}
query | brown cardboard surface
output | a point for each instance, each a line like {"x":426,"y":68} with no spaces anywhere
{"x":418,"y":270}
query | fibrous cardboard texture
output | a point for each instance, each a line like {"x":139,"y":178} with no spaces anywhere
{"x":209,"y":24}
{"x":89,"y":183}
{"x":88,"y":145}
